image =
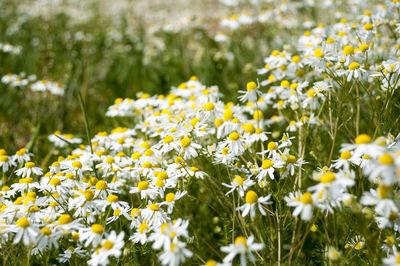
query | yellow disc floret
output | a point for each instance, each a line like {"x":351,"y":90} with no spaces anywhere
{"x":251,"y":197}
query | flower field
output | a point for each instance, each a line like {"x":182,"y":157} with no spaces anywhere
{"x":229,"y":132}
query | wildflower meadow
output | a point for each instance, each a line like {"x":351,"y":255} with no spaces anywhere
{"x":188,"y":132}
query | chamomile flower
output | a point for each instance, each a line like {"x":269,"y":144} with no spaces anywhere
{"x":6,"y":163}
{"x":234,"y":143}
{"x":91,"y":235}
{"x":188,"y":148}
{"x":47,"y":239}
{"x":176,"y":254}
{"x":171,"y":198}
{"x":25,"y":231}
{"x":253,"y":201}
{"x":303,"y":204}
{"x":392,"y":260}
{"x":141,"y":235}
{"x":145,"y":189}
{"x":22,"y":156}
{"x":242,"y":247}
{"x":110,"y":246}
{"x":268,"y":168}
{"x":381,"y":199}
{"x":28,"y":170}
{"x":239,"y":183}
{"x":251,"y":94}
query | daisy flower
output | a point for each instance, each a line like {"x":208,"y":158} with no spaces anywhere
{"x":234,"y":143}
{"x":252,"y":200}
{"x":268,"y":168}
{"x":355,"y":71}
{"x":380,"y":198}
{"x":111,"y":246}
{"x":25,"y":231}
{"x":242,"y":247}
{"x":303,"y":205}
{"x":251,"y":93}
{"x":29,"y":169}
{"x":6,"y":163}
{"x":393,"y":260}
{"x":91,"y":235}
{"x":141,"y":234}
{"x":241,"y":184}
{"x":176,"y":254}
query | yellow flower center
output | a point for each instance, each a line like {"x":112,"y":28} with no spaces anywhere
{"x":234,"y":136}
{"x":147,"y":165}
{"x":368,"y":26}
{"x":209,"y":106}
{"x":89,"y":194}
{"x":108,"y":244}
{"x":135,"y":212}
{"x":97,"y":228}
{"x":149,"y":152}
{"x":168,"y":139}
{"x":143,"y":185}
{"x":318,"y":53}
{"x":170,"y":197}
{"x":136,"y":155}
{"x":101,"y":185}
{"x":272,"y":146}
{"x":46,"y":231}
{"x":228,"y":114}
{"x":185,"y":142}
{"x":110,"y":160}
{"x":162,"y":175}
{"x":363,"y":139}
{"x":354,"y":66}
{"x":259,"y":131}
{"x":307,"y":198}
{"x":251,"y":86}
{"x":23,"y":222}
{"x":21,"y":152}
{"x":258,"y":115}
{"x":211,"y":263}
{"x":251,"y":197}
{"x":143,"y":227}
{"x":160,"y":183}
{"x":55,"y":181}
{"x":384,"y":191}
{"x":328,"y":177}
{"x":345,"y":155}
{"x":64,"y":219}
{"x":311,"y":93}
{"x":77,"y":164}
{"x":116,"y":212}
{"x":386,"y":159}
{"x":267,"y":164}
{"x":241,"y":240}
{"x":348,"y":50}
{"x":154,"y":207}
{"x":29,"y":165}
{"x":194,"y":121}
{"x":239,"y":180}
{"x":112,"y":198}
{"x":26,"y":180}
{"x":249,"y":128}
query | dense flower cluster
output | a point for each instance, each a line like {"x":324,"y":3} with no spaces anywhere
{"x":21,"y":81}
{"x":126,"y":185}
